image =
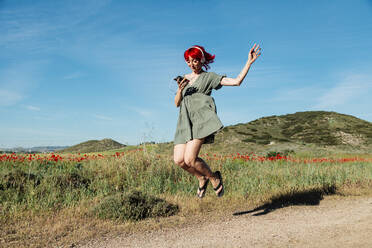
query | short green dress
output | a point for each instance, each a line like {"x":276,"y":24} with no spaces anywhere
{"x":198,"y":114}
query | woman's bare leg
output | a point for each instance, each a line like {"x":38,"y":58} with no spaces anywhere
{"x":191,"y":158}
{"x":179,"y":155}
{"x":186,"y":156}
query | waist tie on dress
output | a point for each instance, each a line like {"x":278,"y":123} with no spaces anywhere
{"x":190,"y":91}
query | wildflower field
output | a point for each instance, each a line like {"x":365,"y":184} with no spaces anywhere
{"x":69,"y":189}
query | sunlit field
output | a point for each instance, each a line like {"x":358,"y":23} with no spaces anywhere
{"x":41,"y":190}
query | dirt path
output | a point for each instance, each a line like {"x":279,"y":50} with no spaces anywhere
{"x":343,"y":222}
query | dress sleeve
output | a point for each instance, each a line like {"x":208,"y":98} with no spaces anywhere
{"x":215,"y":80}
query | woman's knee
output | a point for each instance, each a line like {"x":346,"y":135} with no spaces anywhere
{"x":181,"y":163}
{"x":190,"y":161}
{"x":179,"y":160}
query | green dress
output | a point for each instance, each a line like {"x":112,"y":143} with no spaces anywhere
{"x":198,"y":114}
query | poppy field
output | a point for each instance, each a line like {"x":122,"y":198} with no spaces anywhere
{"x":84,"y":185}
{"x":52,"y":157}
{"x":47,"y":181}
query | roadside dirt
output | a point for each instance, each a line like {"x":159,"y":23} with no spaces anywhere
{"x":335,"y":222}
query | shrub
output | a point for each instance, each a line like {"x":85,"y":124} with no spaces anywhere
{"x":272,"y":154}
{"x":263,"y":142}
{"x":134,"y":205}
{"x":249,"y":140}
{"x":242,"y":133}
{"x":71,"y":179}
{"x":17,"y":179}
{"x":285,"y":152}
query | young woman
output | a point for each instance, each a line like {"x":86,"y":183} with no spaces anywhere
{"x":198,"y":121}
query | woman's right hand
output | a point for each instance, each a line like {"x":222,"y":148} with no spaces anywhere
{"x":182,"y":84}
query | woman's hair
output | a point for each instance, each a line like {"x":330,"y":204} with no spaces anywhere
{"x":198,"y":52}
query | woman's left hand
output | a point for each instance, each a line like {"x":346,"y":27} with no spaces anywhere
{"x":254,"y":53}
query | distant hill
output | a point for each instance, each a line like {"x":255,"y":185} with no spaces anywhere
{"x":35,"y":149}
{"x":47,"y":148}
{"x":94,"y":146}
{"x":312,"y":127}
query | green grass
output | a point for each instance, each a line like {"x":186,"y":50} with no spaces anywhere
{"x":55,"y":185}
{"x":145,"y":184}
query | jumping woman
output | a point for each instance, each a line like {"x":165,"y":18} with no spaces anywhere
{"x":198,"y":121}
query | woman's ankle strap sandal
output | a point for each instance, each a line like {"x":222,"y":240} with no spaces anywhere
{"x":203,"y":189}
{"x":219,"y":186}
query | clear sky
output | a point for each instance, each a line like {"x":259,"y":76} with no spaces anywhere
{"x":71,"y":71}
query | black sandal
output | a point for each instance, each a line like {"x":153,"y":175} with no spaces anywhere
{"x":203,"y":189}
{"x":220,"y":185}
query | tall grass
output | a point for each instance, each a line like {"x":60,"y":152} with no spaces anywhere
{"x":51,"y":186}
{"x":67,"y":199}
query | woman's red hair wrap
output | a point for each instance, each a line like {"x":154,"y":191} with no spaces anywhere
{"x":196,"y":52}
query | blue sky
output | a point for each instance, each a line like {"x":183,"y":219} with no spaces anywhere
{"x":72,"y":71}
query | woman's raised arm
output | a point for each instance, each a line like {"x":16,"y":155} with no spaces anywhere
{"x":254,"y":53}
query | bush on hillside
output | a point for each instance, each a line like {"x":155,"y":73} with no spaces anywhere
{"x":285,"y":153}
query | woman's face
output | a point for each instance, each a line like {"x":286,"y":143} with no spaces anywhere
{"x":194,"y":64}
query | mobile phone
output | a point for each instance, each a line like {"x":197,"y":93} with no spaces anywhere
{"x":178,"y":79}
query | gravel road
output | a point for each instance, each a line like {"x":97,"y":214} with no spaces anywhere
{"x":340,"y":222}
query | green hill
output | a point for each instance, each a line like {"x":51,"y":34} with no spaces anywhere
{"x":94,"y":146}
{"x":313,"y":127}
{"x":298,"y":131}
{"x":301,"y":131}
